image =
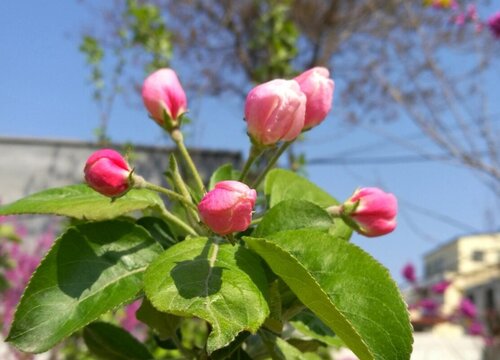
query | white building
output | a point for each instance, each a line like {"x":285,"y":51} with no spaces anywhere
{"x":472,"y":265}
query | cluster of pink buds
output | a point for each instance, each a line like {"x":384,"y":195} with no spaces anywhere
{"x":279,"y":110}
{"x":21,"y":263}
{"x":468,"y":14}
{"x":430,"y":299}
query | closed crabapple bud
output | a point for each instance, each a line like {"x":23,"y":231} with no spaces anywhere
{"x":163,"y":94}
{"x":494,"y":24}
{"x":371,"y":212}
{"x":467,"y":308}
{"x":107,"y":172}
{"x":409,"y":273}
{"x":228,"y":207}
{"x":428,"y":304}
{"x":440,"y":287}
{"x":274,"y":111}
{"x":316,"y":84}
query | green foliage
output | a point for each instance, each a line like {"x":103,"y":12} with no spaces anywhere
{"x":274,"y":41}
{"x":293,"y":214}
{"x":224,"y":172}
{"x":205,"y":297}
{"x":91,"y":269}
{"x":159,"y":230}
{"x":345,"y":287}
{"x":148,"y":30}
{"x":94,"y":54}
{"x":162,"y":323}
{"x":222,"y":284}
{"x":311,"y":326}
{"x":81,"y":202}
{"x":109,"y":342}
{"x":283,"y":185}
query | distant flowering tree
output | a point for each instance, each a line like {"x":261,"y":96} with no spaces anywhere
{"x":427,"y":306}
{"x":212,"y":274}
{"x":397,"y":59}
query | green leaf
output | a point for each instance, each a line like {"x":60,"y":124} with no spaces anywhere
{"x":159,"y":230}
{"x":108,"y":341}
{"x":345,"y":287}
{"x":164,"y":324}
{"x":220,"y":283}
{"x":312,"y":327}
{"x":91,"y":269}
{"x":291,"y":215}
{"x":8,"y":232}
{"x":232,"y":351}
{"x":279,"y":349}
{"x":224,"y":172}
{"x":81,"y":202}
{"x":281,"y":185}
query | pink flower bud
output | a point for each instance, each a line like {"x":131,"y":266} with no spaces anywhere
{"x":472,"y":13}
{"x":459,"y":19}
{"x":162,"y":93}
{"x":467,"y":308}
{"x":228,"y":207}
{"x":316,"y":84}
{"x":475,"y":328}
{"x":275,"y":111}
{"x":107,"y":172}
{"x":440,"y":287}
{"x":371,"y":211}
{"x":428,"y":304}
{"x":494,"y":24}
{"x":409,"y":273}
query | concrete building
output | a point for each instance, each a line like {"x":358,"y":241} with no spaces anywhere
{"x":472,"y":265}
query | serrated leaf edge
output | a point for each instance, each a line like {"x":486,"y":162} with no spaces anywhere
{"x":183,"y":313}
{"x":58,"y":239}
{"x":368,"y":350}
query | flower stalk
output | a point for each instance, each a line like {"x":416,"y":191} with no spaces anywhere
{"x":271,"y":163}
{"x":255,"y":153}
{"x":178,"y":138}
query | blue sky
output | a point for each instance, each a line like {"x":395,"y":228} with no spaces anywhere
{"x":44,"y":93}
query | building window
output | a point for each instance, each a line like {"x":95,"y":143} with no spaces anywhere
{"x":478,"y":255}
{"x":489,"y":299}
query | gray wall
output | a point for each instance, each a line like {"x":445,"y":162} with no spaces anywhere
{"x":31,"y":165}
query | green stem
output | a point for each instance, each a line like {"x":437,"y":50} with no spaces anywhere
{"x":295,"y":309}
{"x":256,"y":221}
{"x":254,"y":154}
{"x":231,"y":239}
{"x":179,"y":140}
{"x":187,"y":354}
{"x":180,"y":185}
{"x":271,"y":163}
{"x":171,"y":194}
{"x":169,"y":217}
